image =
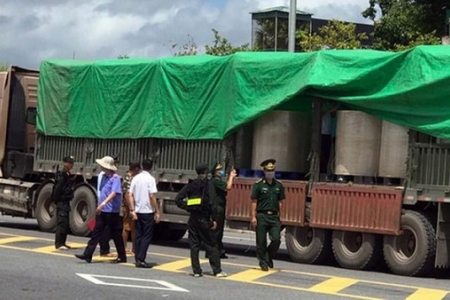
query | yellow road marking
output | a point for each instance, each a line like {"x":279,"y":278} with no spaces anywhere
{"x":49,"y":249}
{"x":333,"y":285}
{"x":250,"y":275}
{"x":103,"y":258}
{"x":16,"y":239}
{"x":287,"y":287}
{"x":31,"y":250}
{"x":7,"y":234}
{"x":167,"y":255}
{"x":428,"y":294}
{"x":75,"y":246}
{"x":395,"y":285}
{"x":176,"y":266}
{"x":46,"y":249}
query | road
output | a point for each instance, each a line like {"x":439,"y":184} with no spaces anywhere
{"x":31,"y":268}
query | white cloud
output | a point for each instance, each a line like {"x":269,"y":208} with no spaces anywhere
{"x":100,"y":29}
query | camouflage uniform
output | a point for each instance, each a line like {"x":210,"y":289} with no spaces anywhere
{"x":128,"y":223}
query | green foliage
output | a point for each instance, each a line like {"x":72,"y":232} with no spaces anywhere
{"x":221,"y":46}
{"x":3,"y":67}
{"x":335,"y":35}
{"x":189,"y":48}
{"x":125,"y":56}
{"x":406,"y":23}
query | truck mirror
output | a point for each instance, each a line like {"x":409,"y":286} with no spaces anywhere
{"x":31,"y":115}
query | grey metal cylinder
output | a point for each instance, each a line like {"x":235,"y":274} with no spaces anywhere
{"x":357,"y":144}
{"x":284,"y":136}
{"x":393,"y":150}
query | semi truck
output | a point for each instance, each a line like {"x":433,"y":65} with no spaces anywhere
{"x":355,"y":217}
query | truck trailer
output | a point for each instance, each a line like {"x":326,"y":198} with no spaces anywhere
{"x":357,"y":217}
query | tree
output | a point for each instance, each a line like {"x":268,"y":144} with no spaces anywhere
{"x":335,"y":35}
{"x":221,"y":46}
{"x":125,"y":56}
{"x":3,"y":67}
{"x":406,"y":23}
{"x":189,"y":48}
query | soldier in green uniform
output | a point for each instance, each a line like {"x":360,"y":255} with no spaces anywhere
{"x":221,"y":187}
{"x":267,"y":197}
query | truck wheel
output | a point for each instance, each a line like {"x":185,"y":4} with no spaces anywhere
{"x":356,"y":250}
{"x":46,"y":209}
{"x":83,"y":208}
{"x":308,"y":245}
{"x":413,"y":252}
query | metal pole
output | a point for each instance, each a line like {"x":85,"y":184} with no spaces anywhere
{"x":292,"y":21}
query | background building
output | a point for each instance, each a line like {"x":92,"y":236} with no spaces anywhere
{"x":270,"y":28}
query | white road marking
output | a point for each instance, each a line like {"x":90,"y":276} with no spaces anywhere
{"x":160,"y":285}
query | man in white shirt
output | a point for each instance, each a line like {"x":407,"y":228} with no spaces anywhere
{"x":145,"y":210}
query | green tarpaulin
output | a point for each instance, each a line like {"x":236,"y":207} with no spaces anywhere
{"x":207,"y":97}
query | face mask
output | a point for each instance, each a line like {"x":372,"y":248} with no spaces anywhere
{"x":270,"y":175}
{"x":221,"y":173}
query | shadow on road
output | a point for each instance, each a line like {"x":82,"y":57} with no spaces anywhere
{"x":23,"y":226}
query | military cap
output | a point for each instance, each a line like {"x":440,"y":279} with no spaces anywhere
{"x":69,"y":159}
{"x":268,"y":164}
{"x":216,"y":167}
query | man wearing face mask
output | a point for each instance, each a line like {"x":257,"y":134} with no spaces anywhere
{"x":221,"y":187}
{"x":267,"y":199}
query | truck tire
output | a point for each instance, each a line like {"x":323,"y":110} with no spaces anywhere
{"x":356,"y":250}
{"x":413,"y":252}
{"x":308,"y":245}
{"x":46,"y":209}
{"x":83,"y":208}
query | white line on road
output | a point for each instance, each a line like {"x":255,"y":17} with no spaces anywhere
{"x":163,"y":285}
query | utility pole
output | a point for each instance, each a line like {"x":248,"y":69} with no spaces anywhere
{"x":292,"y":21}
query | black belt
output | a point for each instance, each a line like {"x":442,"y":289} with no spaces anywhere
{"x":267,"y":212}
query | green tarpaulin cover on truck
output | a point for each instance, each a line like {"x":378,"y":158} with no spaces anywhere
{"x":207,"y":97}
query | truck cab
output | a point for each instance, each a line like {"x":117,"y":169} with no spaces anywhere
{"x":18,"y":100}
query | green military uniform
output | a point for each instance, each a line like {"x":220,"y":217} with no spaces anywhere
{"x":220,"y":188}
{"x":267,"y":196}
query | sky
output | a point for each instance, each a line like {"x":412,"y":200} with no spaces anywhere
{"x":32,"y":31}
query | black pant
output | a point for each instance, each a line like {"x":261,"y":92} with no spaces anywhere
{"x":145,"y":225}
{"x":200,"y":233}
{"x":218,"y":234}
{"x":62,"y":226}
{"x":104,"y":241}
{"x":112,"y":221}
{"x":106,"y":237}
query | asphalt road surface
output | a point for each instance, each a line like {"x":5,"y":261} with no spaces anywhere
{"x":30,"y":268}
